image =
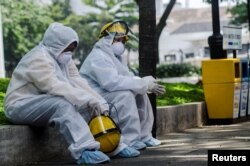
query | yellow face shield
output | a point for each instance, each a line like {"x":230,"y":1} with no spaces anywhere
{"x":106,"y":132}
{"x":120,"y":28}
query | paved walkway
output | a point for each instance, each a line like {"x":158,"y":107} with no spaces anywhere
{"x":187,"y":148}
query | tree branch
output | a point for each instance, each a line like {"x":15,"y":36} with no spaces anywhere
{"x":162,"y":22}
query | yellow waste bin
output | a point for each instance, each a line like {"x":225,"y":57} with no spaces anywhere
{"x":222,"y":86}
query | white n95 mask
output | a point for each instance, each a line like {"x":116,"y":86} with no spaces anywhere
{"x":118,"y":48}
{"x":64,"y":57}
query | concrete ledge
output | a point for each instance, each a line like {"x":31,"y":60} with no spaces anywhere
{"x":20,"y":145}
{"x":180,"y":117}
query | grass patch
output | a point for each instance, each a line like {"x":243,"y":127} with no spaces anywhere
{"x":4,"y":82}
{"x":180,"y":93}
{"x":3,"y":119}
{"x":176,"y":93}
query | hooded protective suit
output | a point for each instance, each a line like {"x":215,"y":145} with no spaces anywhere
{"x":43,"y":92}
{"x":112,"y":79}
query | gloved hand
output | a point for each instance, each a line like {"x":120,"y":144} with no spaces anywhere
{"x":153,"y":86}
{"x":96,"y":108}
{"x":158,"y":89}
{"x":149,"y":80}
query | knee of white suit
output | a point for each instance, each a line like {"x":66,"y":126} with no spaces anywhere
{"x":65,"y":111}
{"x":70,"y":123}
{"x":125,"y":106}
{"x":126,"y":114}
{"x":74,"y":128}
{"x":127,"y":98}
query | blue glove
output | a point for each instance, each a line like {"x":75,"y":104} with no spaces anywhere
{"x":93,"y":157}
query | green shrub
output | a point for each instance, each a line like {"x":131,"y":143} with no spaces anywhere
{"x":176,"y":70}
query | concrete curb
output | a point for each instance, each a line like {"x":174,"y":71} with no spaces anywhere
{"x":23,"y":144}
{"x":180,"y":117}
{"x":20,"y":145}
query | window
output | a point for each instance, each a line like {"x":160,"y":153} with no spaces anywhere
{"x":170,"y":58}
{"x":189,"y":55}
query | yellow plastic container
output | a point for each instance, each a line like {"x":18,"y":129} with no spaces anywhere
{"x":222,"y":84}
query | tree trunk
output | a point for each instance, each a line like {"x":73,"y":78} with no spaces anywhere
{"x":148,"y":46}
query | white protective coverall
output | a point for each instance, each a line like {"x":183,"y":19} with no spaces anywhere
{"x":43,"y":92}
{"x":112,"y":79}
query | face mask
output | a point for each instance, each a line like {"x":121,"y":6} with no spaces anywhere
{"x":64,"y":57}
{"x":118,"y":48}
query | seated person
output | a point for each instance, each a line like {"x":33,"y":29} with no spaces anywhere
{"x":47,"y":90}
{"x":105,"y":72}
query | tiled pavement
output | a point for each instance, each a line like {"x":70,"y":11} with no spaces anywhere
{"x":187,"y":148}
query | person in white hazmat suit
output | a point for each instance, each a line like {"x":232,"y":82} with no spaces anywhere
{"x":105,"y":72}
{"x":47,"y":90}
